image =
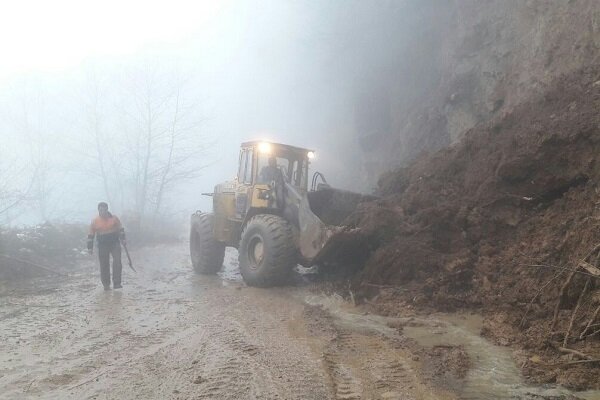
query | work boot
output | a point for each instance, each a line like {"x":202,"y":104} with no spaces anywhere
{"x":107,"y":288}
{"x":117,"y":286}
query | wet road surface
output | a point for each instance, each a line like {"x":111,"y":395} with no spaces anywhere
{"x":172,"y":334}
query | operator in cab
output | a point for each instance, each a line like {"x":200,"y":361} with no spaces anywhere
{"x":270,"y":172}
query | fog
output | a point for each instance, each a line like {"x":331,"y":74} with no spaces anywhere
{"x":84,"y":87}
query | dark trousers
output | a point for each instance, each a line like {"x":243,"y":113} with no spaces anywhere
{"x":104,"y":252}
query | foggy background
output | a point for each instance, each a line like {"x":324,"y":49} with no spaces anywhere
{"x":145,"y":104}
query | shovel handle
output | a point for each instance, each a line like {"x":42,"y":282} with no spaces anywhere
{"x":128,"y":257}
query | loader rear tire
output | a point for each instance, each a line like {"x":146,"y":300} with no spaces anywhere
{"x":267,"y":253}
{"x":206,"y":252}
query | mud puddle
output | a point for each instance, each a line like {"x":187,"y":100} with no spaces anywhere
{"x":230,"y":273}
{"x":493,"y":372}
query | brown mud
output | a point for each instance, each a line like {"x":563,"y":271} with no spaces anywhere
{"x":496,"y":223}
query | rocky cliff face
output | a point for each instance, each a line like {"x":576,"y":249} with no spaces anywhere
{"x":461,"y":63}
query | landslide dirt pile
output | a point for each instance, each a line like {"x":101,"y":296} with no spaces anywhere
{"x":498,"y":222}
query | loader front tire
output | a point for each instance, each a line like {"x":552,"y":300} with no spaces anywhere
{"x":206,"y":252}
{"x":267,"y":253}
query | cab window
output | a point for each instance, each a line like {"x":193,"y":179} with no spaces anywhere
{"x":297,"y":173}
{"x":248,"y":171}
{"x":242,"y":165}
{"x":245,"y":170}
{"x":264,"y":171}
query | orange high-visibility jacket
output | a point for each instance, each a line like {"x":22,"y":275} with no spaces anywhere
{"x":105,"y":229}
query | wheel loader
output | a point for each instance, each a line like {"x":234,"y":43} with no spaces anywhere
{"x":269,"y":213}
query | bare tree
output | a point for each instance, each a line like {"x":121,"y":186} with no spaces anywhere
{"x":29,"y":121}
{"x":15,"y":190}
{"x":166,"y":147}
{"x":101,"y":138}
{"x":100,"y":141}
{"x":184,"y":147}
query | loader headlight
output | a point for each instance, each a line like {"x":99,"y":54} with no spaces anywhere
{"x":310,"y":155}
{"x":264,"y":194}
{"x":264,"y":147}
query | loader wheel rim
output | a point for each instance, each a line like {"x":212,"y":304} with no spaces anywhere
{"x":256,"y":252}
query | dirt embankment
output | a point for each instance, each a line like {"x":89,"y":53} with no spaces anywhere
{"x":498,"y":222}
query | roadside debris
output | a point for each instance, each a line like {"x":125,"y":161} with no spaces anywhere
{"x":507,"y":221}
{"x":33,"y":251}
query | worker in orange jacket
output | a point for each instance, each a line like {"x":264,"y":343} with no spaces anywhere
{"x":109,"y":234}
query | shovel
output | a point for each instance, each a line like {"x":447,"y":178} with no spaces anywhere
{"x":128,"y":257}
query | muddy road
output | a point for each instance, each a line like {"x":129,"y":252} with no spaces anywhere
{"x":175,"y":335}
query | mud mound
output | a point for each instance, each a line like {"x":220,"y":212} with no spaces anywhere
{"x":494,"y":221}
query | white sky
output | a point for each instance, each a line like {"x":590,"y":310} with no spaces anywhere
{"x":42,"y":35}
{"x":259,"y":68}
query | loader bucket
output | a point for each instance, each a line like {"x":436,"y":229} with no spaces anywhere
{"x":320,"y":216}
{"x":334,"y":206}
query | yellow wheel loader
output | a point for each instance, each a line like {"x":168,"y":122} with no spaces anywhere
{"x":272,"y":217}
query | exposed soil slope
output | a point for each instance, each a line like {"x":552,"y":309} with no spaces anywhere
{"x":464,"y":227}
{"x":458,"y":64}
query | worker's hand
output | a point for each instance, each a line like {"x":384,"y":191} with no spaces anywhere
{"x":124,"y":242}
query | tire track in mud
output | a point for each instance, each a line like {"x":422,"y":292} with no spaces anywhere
{"x":227,"y":371}
{"x":234,"y":353}
{"x":346,"y":384}
{"x":253,"y":358}
{"x":364,"y":365}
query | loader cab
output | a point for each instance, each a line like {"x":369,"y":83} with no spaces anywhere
{"x":257,"y":158}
